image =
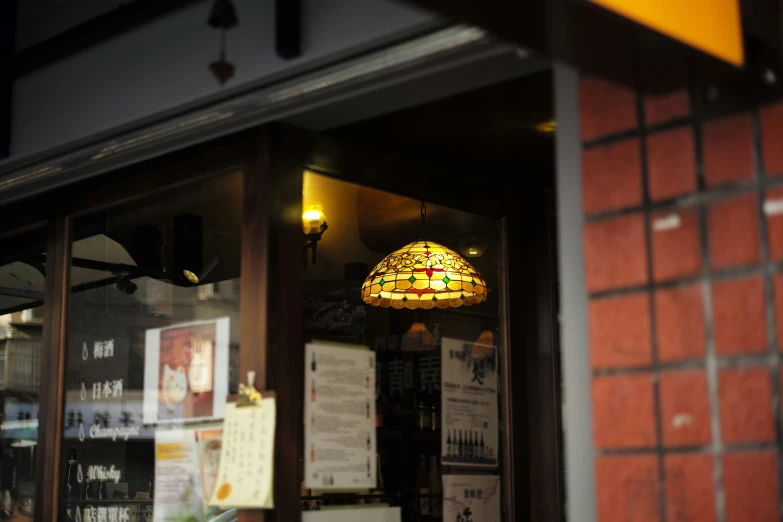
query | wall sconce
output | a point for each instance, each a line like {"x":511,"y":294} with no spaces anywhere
{"x":314,"y":225}
{"x":472,"y":246}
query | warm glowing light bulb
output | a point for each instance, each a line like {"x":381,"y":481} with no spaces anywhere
{"x":312,"y":219}
{"x":312,"y":215}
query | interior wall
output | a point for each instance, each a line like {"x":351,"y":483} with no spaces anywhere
{"x":164,"y":65}
{"x":341,"y":243}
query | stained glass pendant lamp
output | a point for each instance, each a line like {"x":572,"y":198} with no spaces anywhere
{"x":424,"y":274}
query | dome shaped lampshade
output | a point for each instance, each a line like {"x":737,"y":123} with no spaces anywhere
{"x":425,"y":275}
{"x":417,"y":338}
{"x":484,"y":346}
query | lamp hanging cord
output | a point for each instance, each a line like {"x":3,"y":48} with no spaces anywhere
{"x":423,"y":219}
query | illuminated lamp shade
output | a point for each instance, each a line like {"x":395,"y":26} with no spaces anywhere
{"x":484,"y":346}
{"x":425,"y":275}
{"x":417,"y":339}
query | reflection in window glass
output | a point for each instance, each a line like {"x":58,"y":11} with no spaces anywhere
{"x":437,"y":320}
{"x":153,"y":340}
{"x":22,"y":275}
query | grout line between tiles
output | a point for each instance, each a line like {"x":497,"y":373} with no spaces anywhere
{"x":656,"y":383}
{"x":769,"y":301}
{"x":711,"y":358}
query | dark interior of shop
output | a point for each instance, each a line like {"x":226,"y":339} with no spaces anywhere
{"x":460,"y":155}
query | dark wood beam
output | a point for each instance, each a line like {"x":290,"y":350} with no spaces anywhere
{"x":58,"y":253}
{"x":7,"y":48}
{"x":94,"y":31}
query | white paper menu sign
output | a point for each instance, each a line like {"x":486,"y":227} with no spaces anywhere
{"x":471,"y":498}
{"x":469,"y":395}
{"x":186,"y":465}
{"x":339,"y":417}
{"x":245,"y":473}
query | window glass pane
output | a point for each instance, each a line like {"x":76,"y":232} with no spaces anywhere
{"x":424,"y":299}
{"x":152,"y":352}
{"x":22,"y":275}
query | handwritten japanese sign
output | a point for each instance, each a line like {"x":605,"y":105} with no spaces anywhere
{"x":245,"y":474}
{"x":471,"y":498}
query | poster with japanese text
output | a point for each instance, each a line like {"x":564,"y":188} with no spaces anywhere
{"x":244,"y":477}
{"x":186,"y":467}
{"x":471,"y":498}
{"x":469,"y":395}
{"x":186,"y":372}
{"x":339,"y":417}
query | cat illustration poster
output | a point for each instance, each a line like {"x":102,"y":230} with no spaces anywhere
{"x":186,"y":372}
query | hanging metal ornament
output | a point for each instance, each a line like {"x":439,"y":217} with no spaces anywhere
{"x":223,"y":17}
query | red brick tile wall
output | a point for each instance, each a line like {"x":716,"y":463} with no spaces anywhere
{"x":683,"y":243}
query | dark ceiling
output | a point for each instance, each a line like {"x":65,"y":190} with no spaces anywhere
{"x":489,"y":133}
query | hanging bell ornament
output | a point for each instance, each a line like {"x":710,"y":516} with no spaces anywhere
{"x":223,"y":15}
{"x":222,"y":70}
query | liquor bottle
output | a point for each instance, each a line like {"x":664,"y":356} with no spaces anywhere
{"x":312,"y":364}
{"x":72,"y":487}
{"x":476,"y":454}
{"x":103,"y":494}
{"x":448,"y":444}
{"x":433,"y":416}
{"x":469,"y":445}
{"x":437,"y":336}
{"x":424,"y":411}
{"x":423,"y":489}
{"x":378,"y":471}
{"x":460,"y":446}
{"x":312,"y":391}
{"x":481,"y":446}
{"x":436,"y":500}
{"x":379,"y":413}
{"x":303,"y":493}
{"x":8,"y":505}
{"x":89,"y":492}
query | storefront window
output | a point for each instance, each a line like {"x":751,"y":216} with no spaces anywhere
{"x":22,"y":276}
{"x":152,"y":353}
{"x":411,"y":287}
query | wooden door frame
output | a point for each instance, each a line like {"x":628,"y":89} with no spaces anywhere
{"x":533,"y":460}
{"x":269,"y":158}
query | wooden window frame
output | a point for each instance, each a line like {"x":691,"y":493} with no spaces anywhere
{"x":272,"y":160}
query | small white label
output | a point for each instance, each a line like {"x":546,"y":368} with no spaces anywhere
{"x":669,"y":222}
{"x":773,"y":207}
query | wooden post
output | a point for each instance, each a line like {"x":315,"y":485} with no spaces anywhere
{"x":271,"y":303}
